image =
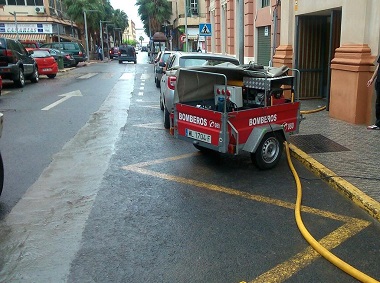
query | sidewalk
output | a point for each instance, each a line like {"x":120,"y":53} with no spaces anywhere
{"x":331,"y":147}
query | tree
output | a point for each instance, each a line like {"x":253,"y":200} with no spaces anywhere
{"x":153,"y":14}
{"x":141,"y":39}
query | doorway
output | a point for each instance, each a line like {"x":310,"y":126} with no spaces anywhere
{"x":317,"y":38}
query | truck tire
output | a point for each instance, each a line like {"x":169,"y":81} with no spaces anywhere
{"x":269,"y":151}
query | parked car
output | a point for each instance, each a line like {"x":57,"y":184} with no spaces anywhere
{"x":184,"y":60}
{"x":1,"y":159}
{"x":46,"y":63}
{"x":29,"y":44}
{"x":114,"y":52}
{"x":68,"y":59}
{"x":127,"y":53}
{"x":16,"y":64}
{"x":74,"y":48}
{"x":159,"y":64}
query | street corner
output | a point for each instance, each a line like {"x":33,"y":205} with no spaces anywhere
{"x":368,"y":204}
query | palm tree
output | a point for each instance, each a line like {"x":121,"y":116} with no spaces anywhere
{"x":153,"y":14}
{"x":141,"y":39}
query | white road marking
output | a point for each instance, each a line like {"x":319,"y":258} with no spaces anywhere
{"x":87,"y":76}
{"x":65,"y":97}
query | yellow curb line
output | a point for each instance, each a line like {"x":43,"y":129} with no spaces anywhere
{"x":371,"y":206}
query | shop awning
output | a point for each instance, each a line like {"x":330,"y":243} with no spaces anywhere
{"x":40,"y":37}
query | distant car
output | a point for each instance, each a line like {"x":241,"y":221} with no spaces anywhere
{"x":114,"y":52}
{"x":74,"y":48}
{"x":68,"y":59}
{"x":144,"y":49}
{"x":178,"y":60}
{"x":127,"y":53}
{"x":159,"y":64}
{"x":45,"y":62}
{"x":16,"y":64}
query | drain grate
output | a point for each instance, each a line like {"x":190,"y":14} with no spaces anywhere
{"x":316,"y":143}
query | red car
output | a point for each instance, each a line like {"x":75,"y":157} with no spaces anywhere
{"x":46,"y":63}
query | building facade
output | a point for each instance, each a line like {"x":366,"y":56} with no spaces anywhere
{"x":130,"y":32}
{"x":36,"y":20}
{"x":334,"y":44}
{"x":182,"y":29}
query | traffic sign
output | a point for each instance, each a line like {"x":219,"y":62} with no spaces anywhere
{"x":182,"y":38}
{"x":205,"y":29}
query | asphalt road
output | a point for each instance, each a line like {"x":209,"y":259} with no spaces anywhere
{"x":115,"y":198}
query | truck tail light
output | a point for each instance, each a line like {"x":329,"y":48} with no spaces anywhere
{"x":8,"y":53}
{"x":172,"y":82}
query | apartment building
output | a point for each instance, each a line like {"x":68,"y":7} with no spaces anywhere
{"x":37,"y":20}
{"x":130,"y":32}
{"x":186,"y":20}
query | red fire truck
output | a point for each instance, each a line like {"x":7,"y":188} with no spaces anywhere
{"x":233,"y":109}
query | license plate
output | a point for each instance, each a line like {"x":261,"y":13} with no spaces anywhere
{"x":198,"y":136}
{"x":46,"y":69}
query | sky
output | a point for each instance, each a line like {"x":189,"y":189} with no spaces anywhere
{"x":128,"y":6}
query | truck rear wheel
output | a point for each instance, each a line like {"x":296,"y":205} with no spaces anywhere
{"x":269,"y":151}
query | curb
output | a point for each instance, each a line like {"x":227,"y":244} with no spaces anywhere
{"x":365,"y":202}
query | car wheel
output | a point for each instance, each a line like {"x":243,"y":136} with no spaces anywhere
{"x":166,"y":118}
{"x":52,"y":76}
{"x":269,"y":151}
{"x":135,"y":62}
{"x":161,"y":104}
{"x":1,"y":174}
{"x":35,"y":77}
{"x":120,"y":61}
{"x":20,"y":82}
{"x":158,"y":84}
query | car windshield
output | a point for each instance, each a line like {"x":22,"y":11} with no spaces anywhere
{"x":191,"y":62}
{"x":40,"y":54}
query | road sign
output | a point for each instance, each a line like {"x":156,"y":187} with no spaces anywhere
{"x":182,"y":38}
{"x":205,"y":30}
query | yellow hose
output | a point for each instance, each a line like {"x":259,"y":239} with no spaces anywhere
{"x":314,"y":243}
{"x":312,"y":111}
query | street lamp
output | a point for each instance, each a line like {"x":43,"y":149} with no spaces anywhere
{"x":101,"y":34}
{"x":85,"y":29}
{"x":14,"y":14}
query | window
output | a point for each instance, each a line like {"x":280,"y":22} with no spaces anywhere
{"x":194,"y":7}
{"x":34,"y":2}
{"x":16,"y":2}
{"x":265,"y":3}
